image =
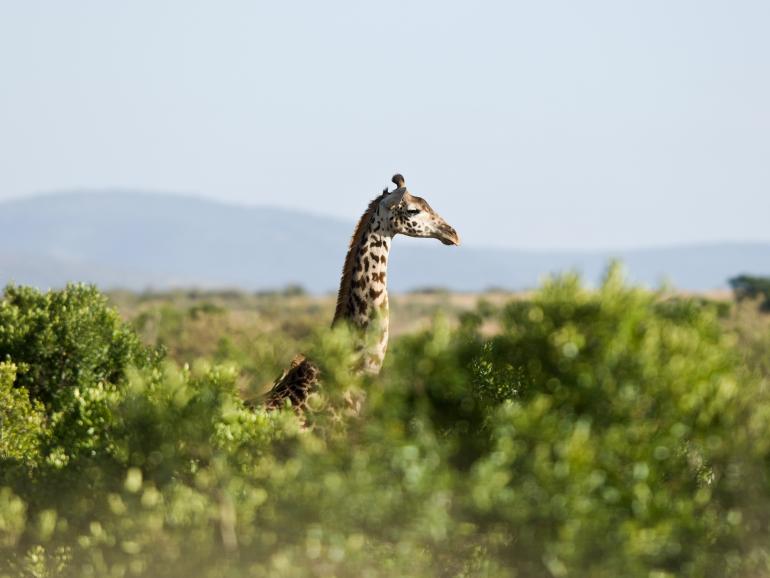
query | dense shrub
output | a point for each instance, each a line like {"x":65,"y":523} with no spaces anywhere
{"x":70,"y":352}
{"x":613,"y":456}
{"x":63,"y":340}
{"x":22,"y":421}
{"x":593,"y":433}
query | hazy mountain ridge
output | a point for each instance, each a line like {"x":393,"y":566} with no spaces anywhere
{"x":140,"y":240}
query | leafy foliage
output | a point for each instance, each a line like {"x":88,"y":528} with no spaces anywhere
{"x":22,"y":421}
{"x":611,"y":458}
{"x":70,"y":352}
{"x":591,"y":433}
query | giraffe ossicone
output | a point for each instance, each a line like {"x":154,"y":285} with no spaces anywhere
{"x":362,"y":300}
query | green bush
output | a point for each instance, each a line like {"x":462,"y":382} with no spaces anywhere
{"x":22,"y":421}
{"x":70,"y":351}
{"x":64,"y":339}
{"x":614,"y":455}
{"x":596,"y":433}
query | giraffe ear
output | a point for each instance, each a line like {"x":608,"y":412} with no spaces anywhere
{"x":394,"y":198}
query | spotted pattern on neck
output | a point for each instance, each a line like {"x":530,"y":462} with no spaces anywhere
{"x":362,"y":300}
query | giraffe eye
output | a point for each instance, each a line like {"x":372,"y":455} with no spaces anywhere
{"x":413,"y":211}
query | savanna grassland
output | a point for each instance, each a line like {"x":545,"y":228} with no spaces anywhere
{"x":261,"y":332}
{"x":562,"y":432}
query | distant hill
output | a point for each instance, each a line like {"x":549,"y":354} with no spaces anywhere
{"x":140,"y":240}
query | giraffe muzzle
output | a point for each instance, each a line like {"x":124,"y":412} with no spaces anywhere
{"x":448,"y":235}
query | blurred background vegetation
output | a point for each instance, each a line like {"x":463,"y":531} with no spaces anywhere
{"x":564,"y":432}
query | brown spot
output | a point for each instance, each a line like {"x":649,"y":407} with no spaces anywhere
{"x":355,"y":241}
{"x":374,"y":294}
{"x":359,"y":303}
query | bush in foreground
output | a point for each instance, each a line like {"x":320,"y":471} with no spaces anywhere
{"x":596,"y":433}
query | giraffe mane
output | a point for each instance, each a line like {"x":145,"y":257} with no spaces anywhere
{"x":346,"y":280}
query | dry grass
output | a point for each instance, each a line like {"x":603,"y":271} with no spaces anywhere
{"x":195,"y":322}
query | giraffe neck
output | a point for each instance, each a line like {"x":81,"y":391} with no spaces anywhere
{"x":365,"y":306}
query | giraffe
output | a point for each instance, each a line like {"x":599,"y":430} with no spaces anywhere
{"x":362,"y":299}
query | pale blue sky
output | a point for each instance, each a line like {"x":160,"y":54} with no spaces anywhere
{"x":535,"y":124}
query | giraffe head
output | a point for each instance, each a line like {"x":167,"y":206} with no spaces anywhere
{"x":412,"y":216}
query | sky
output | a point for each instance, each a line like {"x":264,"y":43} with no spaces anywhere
{"x":534,"y":125}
